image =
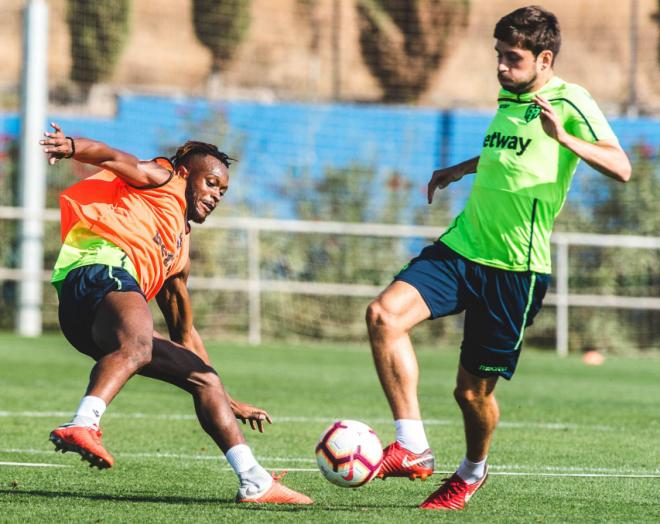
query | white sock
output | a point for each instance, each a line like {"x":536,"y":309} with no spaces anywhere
{"x":89,"y":412}
{"x":471,"y":472}
{"x":253,"y":478}
{"x":410,"y":434}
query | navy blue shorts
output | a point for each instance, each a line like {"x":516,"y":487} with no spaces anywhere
{"x":498,"y":305}
{"x":80,"y":293}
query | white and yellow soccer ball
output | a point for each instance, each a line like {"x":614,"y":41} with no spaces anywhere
{"x":349,"y":453}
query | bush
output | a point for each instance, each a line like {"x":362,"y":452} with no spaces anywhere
{"x":221,"y":25}
{"x":404,"y":42}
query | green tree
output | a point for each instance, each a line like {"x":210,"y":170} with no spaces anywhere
{"x":98,"y":33}
{"x":221,"y":25}
{"x":404,"y":42}
{"x":627,"y":209}
{"x":355,"y":193}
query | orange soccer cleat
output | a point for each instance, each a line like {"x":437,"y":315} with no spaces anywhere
{"x":278,"y":493}
{"x":400,"y":462}
{"x":86,"y":441}
{"x":453,"y":494}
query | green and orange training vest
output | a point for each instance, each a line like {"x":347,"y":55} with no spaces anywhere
{"x":105,"y":220}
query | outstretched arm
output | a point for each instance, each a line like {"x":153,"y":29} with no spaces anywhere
{"x":126,"y":166}
{"x":605,"y":156}
{"x":443,"y":177}
{"x":174,"y":302}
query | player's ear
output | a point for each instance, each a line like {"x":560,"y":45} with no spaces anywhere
{"x":545,"y":59}
{"x":182,"y":171}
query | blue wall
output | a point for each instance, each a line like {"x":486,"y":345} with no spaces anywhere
{"x":271,"y":139}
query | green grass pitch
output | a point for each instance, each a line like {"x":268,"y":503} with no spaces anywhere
{"x":575,"y":443}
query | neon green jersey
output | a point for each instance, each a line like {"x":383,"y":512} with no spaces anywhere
{"x":522,"y":180}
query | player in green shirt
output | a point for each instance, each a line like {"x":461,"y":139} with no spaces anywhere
{"x":493,"y":262}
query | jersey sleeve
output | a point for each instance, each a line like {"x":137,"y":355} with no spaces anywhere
{"x":585,"y":119}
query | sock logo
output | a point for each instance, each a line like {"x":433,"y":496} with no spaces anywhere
{"x":96,"y":413}
{"x":500,"y":141}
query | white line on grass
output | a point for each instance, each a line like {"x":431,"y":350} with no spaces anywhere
{"x":501,"y":469}
{"x":315,"y":470}
{"x":558,"y":426}
{"x":511,"y":474}
{"x":33,"y":465}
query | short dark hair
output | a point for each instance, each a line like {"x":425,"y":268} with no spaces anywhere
{"x":194,"y":148}
{"x":532,"y":28}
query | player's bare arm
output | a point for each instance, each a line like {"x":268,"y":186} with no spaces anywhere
{"x":441,"y":178}
{"x":126,"y":166}
{"x":174,"y":302}
{"x":605,"y":156}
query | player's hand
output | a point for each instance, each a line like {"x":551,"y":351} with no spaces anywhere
{"x":441,"y":178}
{"x":57,"y":146}
{"x":549,"y":119}
{"x":248,"y":413}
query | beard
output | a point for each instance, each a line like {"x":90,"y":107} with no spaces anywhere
{"x":192,"y":213}
{"x":518,"y":87}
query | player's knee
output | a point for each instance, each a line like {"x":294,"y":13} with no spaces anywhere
{"x":468,"y":398}
{"x":379,"y":318}
{"x":140,"y":351}
{"x":205,"y":380}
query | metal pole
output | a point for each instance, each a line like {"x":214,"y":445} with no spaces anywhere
{"x":336,"y":50}
{"x":254,"y":286}
{"x":562,"y":299}
{"x":632,"y":110}
{"x":32,"y":166}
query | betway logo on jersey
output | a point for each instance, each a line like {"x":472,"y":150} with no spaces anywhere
{"x":500,"y":141}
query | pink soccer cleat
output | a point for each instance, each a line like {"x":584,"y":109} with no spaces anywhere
{"x":86,"y":441}
{"x":454,"y":494}
{"x":278,"y":493}
{"x":400,"y":462}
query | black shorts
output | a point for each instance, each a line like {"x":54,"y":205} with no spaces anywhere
{"x":498,"y":305}
{"x":81,"y":293}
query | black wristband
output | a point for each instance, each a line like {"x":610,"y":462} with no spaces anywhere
{"x":73,"y":147}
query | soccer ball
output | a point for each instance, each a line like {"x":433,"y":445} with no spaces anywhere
{"x":349,"y":453}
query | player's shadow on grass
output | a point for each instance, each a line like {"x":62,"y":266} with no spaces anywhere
{"x":163,"y":499}
{"x":193,"y":500}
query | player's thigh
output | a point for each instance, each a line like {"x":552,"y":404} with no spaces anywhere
{"x":82,"y":294}
{"x":437,"y":276}
{"x":123,"y":321}
{"x":177,"y":365}
{"x":400,"y":305}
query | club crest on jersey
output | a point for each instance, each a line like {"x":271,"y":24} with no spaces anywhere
{"x":532,"y":112}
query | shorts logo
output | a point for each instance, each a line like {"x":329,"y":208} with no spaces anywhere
{"x":532,"y":112}
{"x":493,"y":368}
